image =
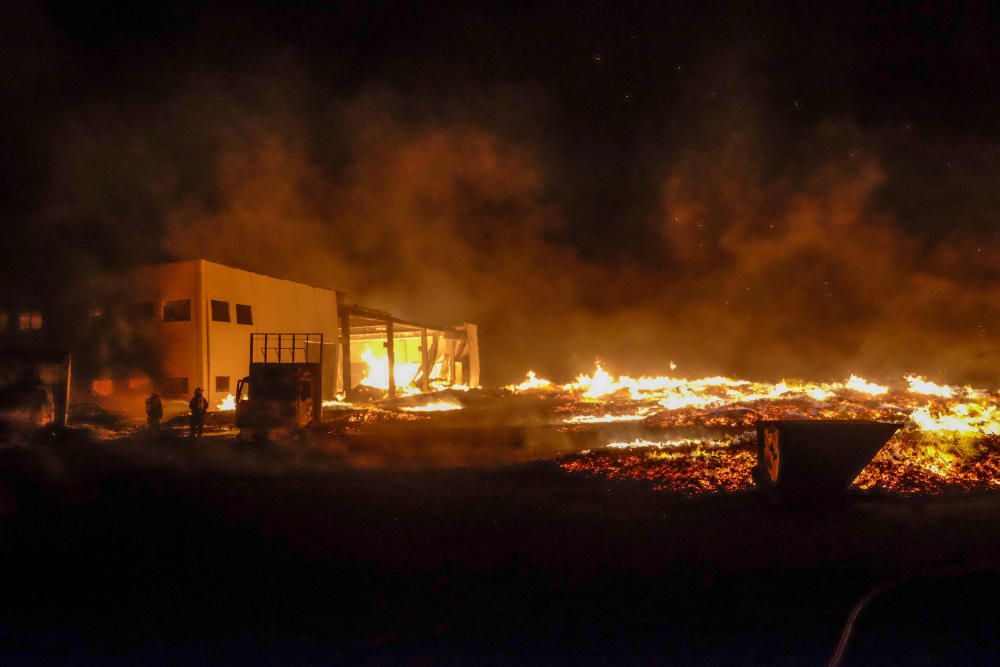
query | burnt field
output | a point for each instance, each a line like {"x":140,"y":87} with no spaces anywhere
{"x":438,"y":541}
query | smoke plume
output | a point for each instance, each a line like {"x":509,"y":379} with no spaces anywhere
{"x":750,"y":248}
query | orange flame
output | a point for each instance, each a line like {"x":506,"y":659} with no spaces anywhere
{"x":227,"y":404}
{"x":951,"y":438}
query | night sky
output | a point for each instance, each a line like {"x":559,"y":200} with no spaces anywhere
{"x":803,"y":188}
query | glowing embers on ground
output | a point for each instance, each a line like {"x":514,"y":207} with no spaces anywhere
{"x":951,"y":441}
{"x":443,"y":405}
{"x":687,"y":467}
{"x":917,"y":461}
{"x":606,"y":418}
{"x":914,"y":462}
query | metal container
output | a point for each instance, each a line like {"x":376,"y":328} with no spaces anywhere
{"x":816,"y":458}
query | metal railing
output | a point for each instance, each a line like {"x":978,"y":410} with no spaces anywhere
{"x":286,"y":348}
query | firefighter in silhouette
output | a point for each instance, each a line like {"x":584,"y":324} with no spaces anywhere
{"x":198,"y":406}
{"x":154,"y":413}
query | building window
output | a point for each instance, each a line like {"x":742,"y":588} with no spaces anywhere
{"x":4,"y":321}
{"x":220,"y":311}
{"x":177,"y":311}
{"x":175,"y":387}
{"x":244,"y":314}
{"x":222,"y":383}
{"x":29,"y":321}
{"x":102,"y":386}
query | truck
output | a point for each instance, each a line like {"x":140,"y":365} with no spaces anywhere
{"x":284,"y":387}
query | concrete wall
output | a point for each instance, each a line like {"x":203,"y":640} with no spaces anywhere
{"x":277,"y":306}
{"x":181,"y":346}
{"x":214,"y":354}
{"x":202,"y":349}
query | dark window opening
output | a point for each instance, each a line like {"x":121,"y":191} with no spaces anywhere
{"x":177,"y":311}
{"x":222,"y":383}
{"x":244,"y":314}
{"x":175,"y":387}
{"x":220,"y":311}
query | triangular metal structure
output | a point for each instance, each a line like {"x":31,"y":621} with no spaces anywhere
{"x":816,"y":458}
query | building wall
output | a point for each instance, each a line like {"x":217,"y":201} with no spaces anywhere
{"x":277,"y":306}
{"x":210,"y":347}
{"x":206,"y":351}
{"x":180,"y":346}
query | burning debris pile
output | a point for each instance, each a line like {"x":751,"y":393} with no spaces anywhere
{"x":688,"y":467}
{"x":951,"y":440}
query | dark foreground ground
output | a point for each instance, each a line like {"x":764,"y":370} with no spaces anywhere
{"x":138,"y":552}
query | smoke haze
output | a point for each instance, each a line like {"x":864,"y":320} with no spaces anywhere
{"x":727,"y":232}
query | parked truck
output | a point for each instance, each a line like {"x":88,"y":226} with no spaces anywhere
{"x":284,"y":387}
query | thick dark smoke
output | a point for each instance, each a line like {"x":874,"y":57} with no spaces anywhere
{"x":756,"y":243}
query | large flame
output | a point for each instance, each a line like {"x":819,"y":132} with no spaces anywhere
{"x":675,"y":393}
{"x":227,"y":404}
{"x":919,"y":385}
{"x":377,"y":373}
{"x":531,"y":382}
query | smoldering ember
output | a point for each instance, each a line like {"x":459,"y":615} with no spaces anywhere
{"x":378,"y":333}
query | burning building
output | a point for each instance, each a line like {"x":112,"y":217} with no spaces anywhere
{"x":199,"y":315}
{"x":187,"y":324}
{"x":422,"y":357}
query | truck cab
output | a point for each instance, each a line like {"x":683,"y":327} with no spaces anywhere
{"x":284,"y":387}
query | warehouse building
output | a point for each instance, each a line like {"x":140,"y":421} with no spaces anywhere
{"x":176,"y":326}
{"x":200,"y":314}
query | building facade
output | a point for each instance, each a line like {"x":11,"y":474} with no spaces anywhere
{"x":178,"y":326}
{"x":202,"y":314}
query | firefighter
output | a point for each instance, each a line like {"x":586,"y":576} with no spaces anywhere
{"x":154,"y":413}
{"x":198,"y":406}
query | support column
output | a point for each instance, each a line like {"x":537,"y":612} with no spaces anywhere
{"x":345,"y":351}
{"x":390,"y":350}
{"x":453,"y":348}
{"x":424,"y":362}
{"x":60,"y":403}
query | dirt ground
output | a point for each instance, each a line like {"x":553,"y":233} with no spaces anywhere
{"x":466,"y":545}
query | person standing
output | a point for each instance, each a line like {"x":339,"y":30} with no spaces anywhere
{"x":154,"y":413}
{"x":198,"y":406}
